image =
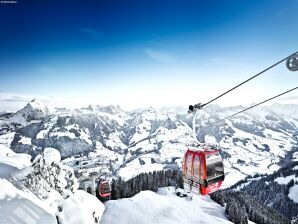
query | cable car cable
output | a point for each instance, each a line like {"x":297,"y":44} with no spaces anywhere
{"x":246,"y":109}
{"x":200,"y":106}
{"x":188,"y":182}
{"x":209,"y":183}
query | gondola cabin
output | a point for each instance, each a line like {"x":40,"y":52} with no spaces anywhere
{"x":104,"y":189}
{"x":203,"y":171}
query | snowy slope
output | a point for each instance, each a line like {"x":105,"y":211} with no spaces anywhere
{"x":16,"y":160}
{"x":293,"y":193}
{"x":128,"y":143}
{"x":20,"y":206}
{"x":17,"y":204}
{"x":81,"y":208}
{"x":163,"y":207}
{"x":277,"y":191}
{"x":293,"y":190}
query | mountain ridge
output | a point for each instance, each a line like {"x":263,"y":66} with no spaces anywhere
{"x":255,"y":141}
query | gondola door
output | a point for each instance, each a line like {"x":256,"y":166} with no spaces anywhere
{"x":187,"y":174}
{"x":196,"y":174}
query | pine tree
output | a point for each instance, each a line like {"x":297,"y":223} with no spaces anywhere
{"x":47,"y":176}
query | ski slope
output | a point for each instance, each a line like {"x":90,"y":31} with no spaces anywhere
{"x":163,"y":207}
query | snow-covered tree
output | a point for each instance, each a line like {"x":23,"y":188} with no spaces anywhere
{"x":48,"y":174}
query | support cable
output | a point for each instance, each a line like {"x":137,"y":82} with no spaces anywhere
{"x":246,"y":109}
{"x":200,"y":106}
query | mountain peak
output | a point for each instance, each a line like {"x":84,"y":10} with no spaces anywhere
{"x":35,"y":109}
{"x":35,"y":103}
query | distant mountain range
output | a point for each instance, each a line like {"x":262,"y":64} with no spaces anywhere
{"x":131,"y":142}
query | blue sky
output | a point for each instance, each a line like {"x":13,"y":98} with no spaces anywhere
{"x":142,"y":53}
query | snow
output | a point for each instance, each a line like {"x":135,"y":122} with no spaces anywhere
{"x":25,"y":140}
{"x":17,"y":204}
{"x":134,"y":168}
{"x":17,"y":160}
{"x":6,"y":139}
{"x":36,"y":107}
{"x":163,"y":207}
{"x":52,"y":155}
{"x":37,"y":104}
{"x":18,"y":119}
{"x":42,"y":134}
{"x":295,"y":156}
{"x":164,"y":134}
{"x":255,"y":160}
{"x":114,"y":141}
{"x":232,"y":176}
{"x":47,"y":127}
{"x":5,"y":151}
{"x":249,"y":180}
{"x":293,"y":193}
{"x":116,"y":117}
{"x":20,"y":206}
{"x":62,"y":134}
{"x":84,"y":135}
{"x":210,"y":139}
{"x":286,"y":180}
{"x":81,"y":208}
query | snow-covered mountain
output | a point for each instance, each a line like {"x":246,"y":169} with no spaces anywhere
{"x":150,"y":139}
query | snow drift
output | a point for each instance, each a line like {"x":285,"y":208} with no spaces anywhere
{"x":21,"y":205}
{"x":163,"y":207}
{"x":81,"y":208}
{"x":17,"y":204}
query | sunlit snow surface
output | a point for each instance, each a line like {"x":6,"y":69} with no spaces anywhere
{"x":17,"y":204}
{"x":295,"y":156}
{"x":12,"y":159}
{"x":163,"y":207}
{"x":286,"y":180}
{"x":20,"y":207}
{"x":6,"y":139}
{"x":81,"y":208}
{"x":293,"y":191}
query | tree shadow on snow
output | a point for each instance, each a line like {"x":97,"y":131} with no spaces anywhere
{"x":6,"y":170}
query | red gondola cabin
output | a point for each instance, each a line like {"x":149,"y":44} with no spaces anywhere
{"x":104,"y":189}
{"x":203,"y":171}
